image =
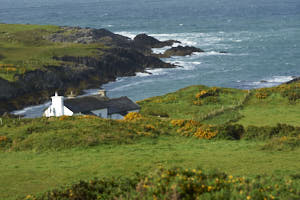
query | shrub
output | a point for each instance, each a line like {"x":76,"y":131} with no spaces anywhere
{"x":179,"y":183}
{"x":282,"y":143}
{"x":205,"y":132}
{"x":206,"y":93}
{"x":178,"y":122}
{"x":232,"y":132}
{"x":291,"y":91}
{"x":266,"y":132}
{"x":132,"y":116}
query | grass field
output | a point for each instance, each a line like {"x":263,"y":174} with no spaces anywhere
{"x":194,"y":127}
{"x":31,"y":173}
{"x":25,"y":48}
{"x":230,"y":105}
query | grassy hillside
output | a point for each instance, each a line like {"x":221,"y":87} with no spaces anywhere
{"x":260,"y":107}
{"x":212,"y":128}
{"x":25,"y":47}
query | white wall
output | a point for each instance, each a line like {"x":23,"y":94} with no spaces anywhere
{"x":67,"y":111}
{"x":51,"y":112}
{"x":100,"y":113}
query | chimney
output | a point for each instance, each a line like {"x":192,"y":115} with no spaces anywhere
{"x":71,"y":95}
{"x":57,"y":105}
{"x":102,"y":93}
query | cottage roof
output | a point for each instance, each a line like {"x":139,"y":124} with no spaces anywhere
{"x":85,"y":104}
{"x":121,"y":105}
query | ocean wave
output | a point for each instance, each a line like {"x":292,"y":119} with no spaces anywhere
{"x":160,"y":50}
{"x":279,"y":79}
{"x":211,"y":53}
{"x":268,"y":82}
{"x":142,"y":74}
{"x":158,"y":71}
{"x":131,"y":84}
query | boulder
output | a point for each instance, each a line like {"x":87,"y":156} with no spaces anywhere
{"x":151,"y":42}
{"x":179,"y":51}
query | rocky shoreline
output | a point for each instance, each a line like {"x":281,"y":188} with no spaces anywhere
{"x":122,"y":57}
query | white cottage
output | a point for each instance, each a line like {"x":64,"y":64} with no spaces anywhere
{"x":99,"y":105}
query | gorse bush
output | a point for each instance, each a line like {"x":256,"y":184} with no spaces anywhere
{"x":262,"y":93}
{"x":80,"y":131}
{"x":194,"y":128}
{"x":132,"y":116}
{"x":178,"y":183}
{"x":85,"y":131}
{"x":207,"y":96}
{"x":291,"y":91}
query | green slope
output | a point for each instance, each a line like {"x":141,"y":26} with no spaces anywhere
{"x":38,"y":155}
{"x":25,"y":48}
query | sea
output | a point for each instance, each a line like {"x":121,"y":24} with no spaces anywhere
{"x":261,"y":38}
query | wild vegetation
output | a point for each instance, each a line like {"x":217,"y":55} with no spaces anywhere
{"x":174,"y":149}
{"x":25,"y":48}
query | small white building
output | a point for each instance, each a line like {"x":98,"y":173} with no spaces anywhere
{"x":99,"y":105}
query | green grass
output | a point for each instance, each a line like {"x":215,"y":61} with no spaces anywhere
{"x":179,"y":105}
{"x":26,"y":48}
{"x":31,"y":173}
{"x":275,"y":109}
{"x":38,"y":155}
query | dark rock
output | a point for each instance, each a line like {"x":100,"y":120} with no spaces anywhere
{"x":81,"y":72}
{"x":151,"y":42}
{"x":179,"y":51}
{"x":88,"y":36}
{"x":296,"y":79}
{"x":124,"y":57}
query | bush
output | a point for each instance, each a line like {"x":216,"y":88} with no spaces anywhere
{"x":267,"y":132}
{"x":282,"y":143}
{"x":262,"y":93}
{"x":132,"y":116}
{"x":207,"y":96}
{"x":291,"y":91}
{"x":178,"y":183}
{"x":231,"y":132}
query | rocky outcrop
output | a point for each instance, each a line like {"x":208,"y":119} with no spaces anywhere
{"x":151,"y":42}
{"x":179,"y":51}
{"x":80,"y":73}
{"x":121,"y":57}
{"x":88,"y":36}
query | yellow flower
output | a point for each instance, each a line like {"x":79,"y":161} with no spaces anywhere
{"x":209,"y":188}
{"x":248,"y":197}
{"x":28,"y":196}
{"x":230,"y":177}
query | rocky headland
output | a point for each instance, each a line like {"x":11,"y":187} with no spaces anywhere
{"x":118,"y":56}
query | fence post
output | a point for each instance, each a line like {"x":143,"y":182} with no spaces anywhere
{"x":1,"y":121}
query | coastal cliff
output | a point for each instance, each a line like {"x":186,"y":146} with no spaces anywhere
{"x":83,"y":58}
